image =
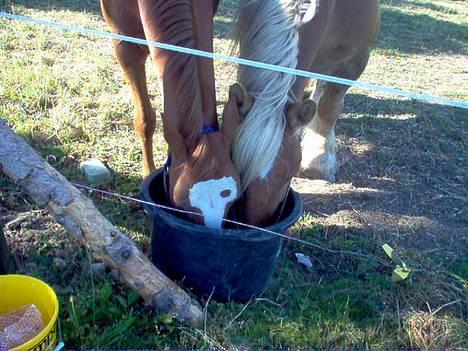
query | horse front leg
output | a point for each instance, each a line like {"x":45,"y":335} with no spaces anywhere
{"x":318,"y":143}
{"x":132,"y":58}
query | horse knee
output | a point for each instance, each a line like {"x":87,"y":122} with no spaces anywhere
{"x":130,"y":55}
{"x":144,"y":124}
{"x":132,"y":59}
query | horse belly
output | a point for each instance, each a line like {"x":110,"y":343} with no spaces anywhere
{"x":352,"y":27}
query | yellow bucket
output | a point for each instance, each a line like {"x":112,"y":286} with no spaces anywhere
{"x":21,"y":290}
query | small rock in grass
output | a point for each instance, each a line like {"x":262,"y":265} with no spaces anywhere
{"x":59,"y":263}
{"x":95,"y":172}
{"x":304,"y":260}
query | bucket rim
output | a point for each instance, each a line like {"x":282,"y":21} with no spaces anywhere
{"x":223,"y":233}
{"x":53,"y":320}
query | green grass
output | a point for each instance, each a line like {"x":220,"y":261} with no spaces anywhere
{"x":401,"y":180}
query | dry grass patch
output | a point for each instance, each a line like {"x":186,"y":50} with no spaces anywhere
{"x":428,"y":331}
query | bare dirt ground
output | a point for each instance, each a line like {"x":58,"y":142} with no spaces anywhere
{"x":398,"y":176}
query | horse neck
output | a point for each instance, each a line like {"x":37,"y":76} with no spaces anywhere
{"x":183,"y":76}
{"x":267,"y":32}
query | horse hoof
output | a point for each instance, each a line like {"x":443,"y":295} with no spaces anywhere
{"x":320,"y":167}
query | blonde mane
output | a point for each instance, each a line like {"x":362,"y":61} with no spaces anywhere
{"x":267,"y":31}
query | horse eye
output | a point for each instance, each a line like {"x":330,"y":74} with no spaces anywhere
{"x":226,"y":193}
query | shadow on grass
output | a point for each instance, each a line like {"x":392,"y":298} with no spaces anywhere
{"x":404,"y":148}
{"x":431,"y":36}
{"x":224,"y":28}
{"x":224,"y":20}
{"x":402,"y":188}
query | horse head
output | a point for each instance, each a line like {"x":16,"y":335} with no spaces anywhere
{"x":201,"y":176}
{"x":261,"y":201}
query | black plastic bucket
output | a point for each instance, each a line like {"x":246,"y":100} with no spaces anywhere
{"x":230,"y":264}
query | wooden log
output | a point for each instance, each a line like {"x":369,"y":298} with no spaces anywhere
{"x":48,"y":188}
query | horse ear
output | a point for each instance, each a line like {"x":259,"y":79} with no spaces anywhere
{"x":244,"y":100}
{"x":299,"y":114}
{"x":237,"y":107}
{"x":231,"y":117}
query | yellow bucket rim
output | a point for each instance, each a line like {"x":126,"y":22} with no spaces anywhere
{"x":48,"y":328}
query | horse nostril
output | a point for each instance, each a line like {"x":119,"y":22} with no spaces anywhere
{"x":226,"y":193}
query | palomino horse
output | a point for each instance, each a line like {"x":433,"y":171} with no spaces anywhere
{"x":326,"y":36}
{"x":264,"y":117}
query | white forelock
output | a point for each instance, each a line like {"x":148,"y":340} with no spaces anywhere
{"x":267,"y":32}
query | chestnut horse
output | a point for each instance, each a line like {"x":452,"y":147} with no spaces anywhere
{"x":201,"y":176}
{"x":253,"y":156}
